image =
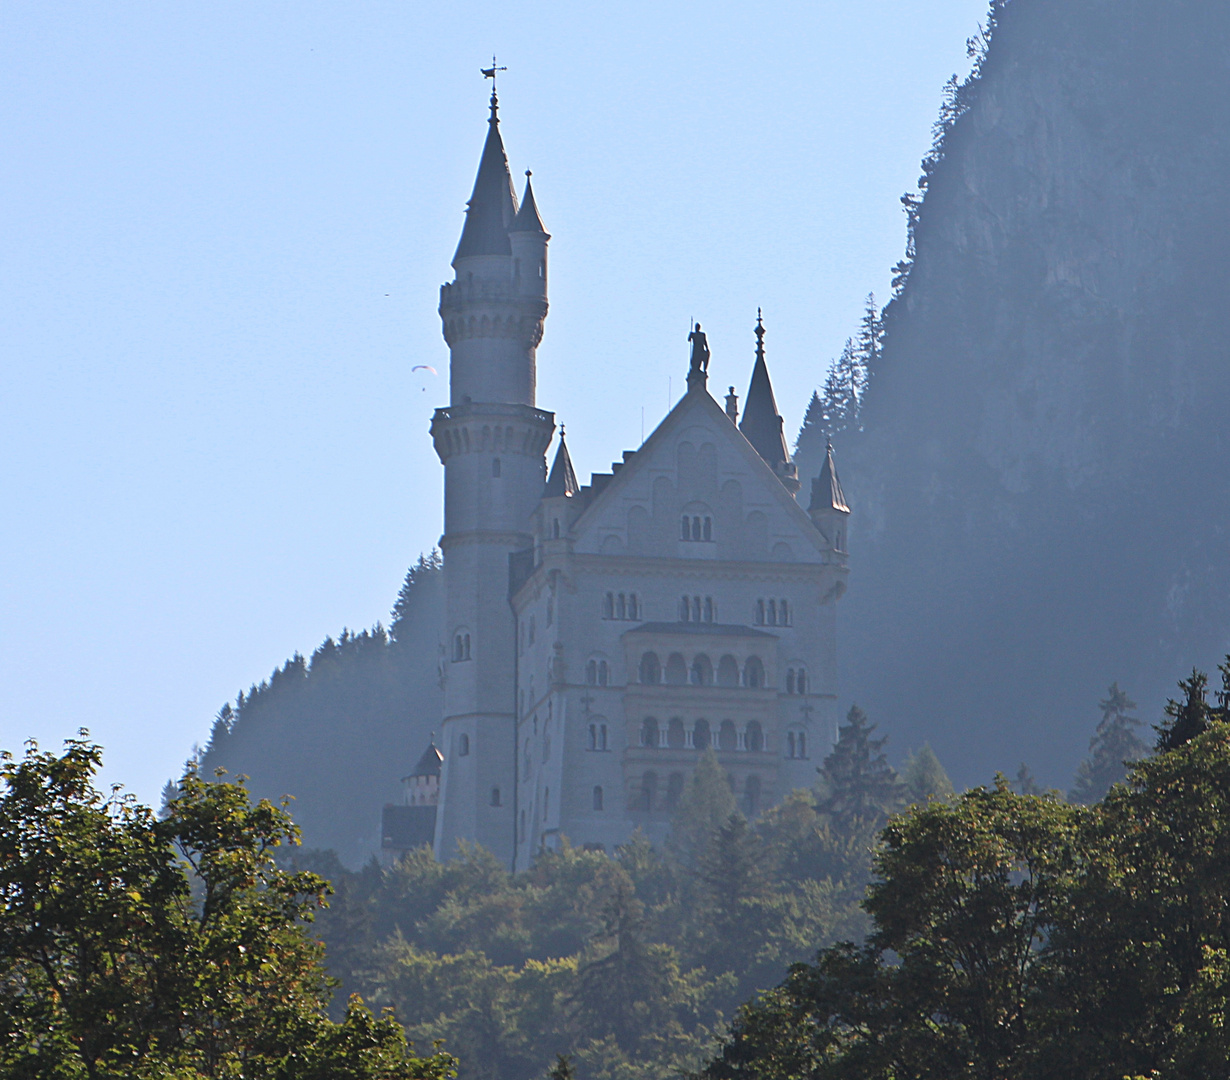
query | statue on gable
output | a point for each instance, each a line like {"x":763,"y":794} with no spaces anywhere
{"x":700,"y":351}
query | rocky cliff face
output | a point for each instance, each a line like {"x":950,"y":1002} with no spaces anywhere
{"x":1041,"y":489}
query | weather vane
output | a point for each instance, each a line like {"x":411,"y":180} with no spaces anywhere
{"x":489,"y":73}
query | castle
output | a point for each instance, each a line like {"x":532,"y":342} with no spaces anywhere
{"x":599,"y":637}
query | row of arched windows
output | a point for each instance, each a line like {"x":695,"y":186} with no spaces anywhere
{"x":772,"y":613}
{"x":678,"y":736}
{"x":701,"y":672}
{"x":695,"y":609}
{"x":621,"y":606}
{"x":646,"y":798}
{"x":696,"y":527}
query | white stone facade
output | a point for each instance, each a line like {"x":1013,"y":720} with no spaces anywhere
{"x":599,"y":637}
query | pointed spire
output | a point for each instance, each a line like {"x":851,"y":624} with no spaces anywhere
{"x":527,"y":219}
{"x":826,"y":493}
{"x":429,"y":763}
{"x":762,"y":424}
{"x":493,"y":203}
{"x":563,"y":478}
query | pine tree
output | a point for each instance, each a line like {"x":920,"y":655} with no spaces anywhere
{"x":1190,"y":717}
{"x":813,"y":433}
{"x":1114,"y":743}
{"x":924,"y":777}
{"x":404,"y":603}
{"x":870,"y":342}
{"x":859,"y":783}
{"x":706,"y":805}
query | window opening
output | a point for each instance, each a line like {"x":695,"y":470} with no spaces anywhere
{"x":598,"y":797}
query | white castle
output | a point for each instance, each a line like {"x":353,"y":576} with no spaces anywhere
{"x":600,"y":637}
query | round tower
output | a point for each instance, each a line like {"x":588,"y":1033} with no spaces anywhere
{"x":492,"y":442}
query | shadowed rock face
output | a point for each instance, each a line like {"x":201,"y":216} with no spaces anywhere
{"x":1040,"y":495}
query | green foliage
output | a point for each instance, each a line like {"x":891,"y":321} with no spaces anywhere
{"x":925,"y":778}
{"x":859,"y":783}
{"x":1018,"y":936}
{"x":139,"y":946}
{"x":1113,"y":745}
{"x":330,"y":730}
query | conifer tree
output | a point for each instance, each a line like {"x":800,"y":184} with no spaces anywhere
{"x":706,"y":805}
{"x":859,"y":783}
{"x":1187,"y":718}
{"x":1113,"y":745}
{"x":924,"y":777}
{"x":1026,"y":783}
{"x":403,"y":605}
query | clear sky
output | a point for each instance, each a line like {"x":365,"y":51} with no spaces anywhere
{"x":222,"y":231}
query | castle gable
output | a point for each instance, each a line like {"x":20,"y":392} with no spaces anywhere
{"x":697,"y":489}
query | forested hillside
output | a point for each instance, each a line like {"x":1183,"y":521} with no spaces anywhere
{"x":1039,"y":484}
{"x":338,"y":730}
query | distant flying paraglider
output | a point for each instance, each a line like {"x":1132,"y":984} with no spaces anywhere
{"x":422,"y":379}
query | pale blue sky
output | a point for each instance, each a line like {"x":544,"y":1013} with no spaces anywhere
{"x":224,"y":226}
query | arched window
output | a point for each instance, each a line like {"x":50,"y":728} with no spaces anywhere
{"x":674,"y":790}
{"x":696,"y":609}
{"x":696,"y":528}
{"x":709,"y":609}
{"x":676,"y":670}
{"x":495,"y":796}
{"x":753,"y":673}
{"x":651,"y":669}
{"x":772,"y":612}
{"x":608,"y":606}
{"x":621,"y":607}
{"x":708,"y":528}
{"x":591,"y":673}
{"x":728,"y":737}
{"x":753,"y":737}
{"x":702,"y":671}
{"x":649,"y":790}
{"x":649,"y":732}
{"x":634,"y":606}
{"x":602,"y":736}
{"x":751,"y":796}
{"x":675,"y":738}
{"x":700,"y":734}
{"x":598,"y":797}
{"x":463,"y":745}
{"x":685,"y":609}
{"x":800,"y":683}
{"x":466,"y":644}
{"x":760,"y":613}
{"x":604,"y":673}
{"x":790,"y":751}
{"x":593,"y":738}
{"x":783,"y":613}
{"x":728,"y":671}
{"x":685,"y":529}
{"x":495,"y":466}
{"x":790,"y":680}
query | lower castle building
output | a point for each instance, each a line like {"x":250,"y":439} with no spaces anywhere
{"x":600,"y":637}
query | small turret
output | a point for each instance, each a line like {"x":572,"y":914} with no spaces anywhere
{"x":828,"y":507}
{"x":558,"y":506}
{"x":528,"y":240}
{"x":762,"y":424}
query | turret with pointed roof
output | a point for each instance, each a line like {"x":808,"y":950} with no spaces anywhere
{"x":828,"y":508}
{"x":762,"y":424}
{"x":492,"y":206}
{"x":563,"y":479}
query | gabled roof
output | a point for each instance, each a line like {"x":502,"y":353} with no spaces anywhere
{"x":762,"y":424}
{"x":493,"y":203}
{"x":563,"y":478}
{"x":695,"y":400}
{"x":528,"y":219}
{"x":826,"y":493}
{"x":429,"y":764}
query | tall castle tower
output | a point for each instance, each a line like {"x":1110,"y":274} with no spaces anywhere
{"x":492,"y":442}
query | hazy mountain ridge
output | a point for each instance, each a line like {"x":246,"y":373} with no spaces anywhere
{"x":1038,"y":484}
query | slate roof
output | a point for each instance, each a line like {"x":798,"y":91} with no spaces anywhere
{"x":762,"y":424}
{"x":826,"y":493}
{"x":563,"y":478}
{"x":493,"y":203}
{"x":429,"y":764}
{"x":528,"y":219}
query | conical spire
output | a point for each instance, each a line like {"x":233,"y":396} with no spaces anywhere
{"x":762,"y":425}
{"x":527,"y":219}
{"x":429,"y":763}
{"x":493,"y":203}
{"x":563,"y":478}
{"x":826,"y":493}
